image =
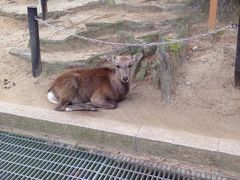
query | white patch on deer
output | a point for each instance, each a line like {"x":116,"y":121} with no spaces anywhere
{"x":51,"y":97}
{"x":69,"y":109}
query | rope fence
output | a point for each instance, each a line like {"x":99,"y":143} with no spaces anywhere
{"x":101,"y":42}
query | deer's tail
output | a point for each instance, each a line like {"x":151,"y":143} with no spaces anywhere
{"x":52,"y":98}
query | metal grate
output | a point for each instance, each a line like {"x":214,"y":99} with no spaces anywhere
{"x":30,"y":158}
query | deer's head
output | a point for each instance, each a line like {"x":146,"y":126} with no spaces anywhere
{"x":124,"y":65}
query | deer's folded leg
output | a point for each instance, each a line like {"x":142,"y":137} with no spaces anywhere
{"x":81,"y":107}
{"x":102,"y":103}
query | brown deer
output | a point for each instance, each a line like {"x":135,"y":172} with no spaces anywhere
{"x":89,"y":89}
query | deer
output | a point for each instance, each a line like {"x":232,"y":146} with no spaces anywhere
{"x":90,"y":89}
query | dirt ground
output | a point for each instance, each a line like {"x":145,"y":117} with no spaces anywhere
{"x":206,"y":101}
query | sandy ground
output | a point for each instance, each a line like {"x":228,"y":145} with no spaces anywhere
{"x":206,"y":101}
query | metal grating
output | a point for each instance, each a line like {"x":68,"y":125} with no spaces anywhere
{"x":30,"y":158}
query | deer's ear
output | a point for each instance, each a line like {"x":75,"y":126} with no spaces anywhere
{"x":109,"y":57}
{"x":138,"y":56}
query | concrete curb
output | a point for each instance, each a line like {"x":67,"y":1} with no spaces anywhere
{"x":84,"y":127}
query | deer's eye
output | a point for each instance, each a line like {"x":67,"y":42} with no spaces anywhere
{"x":130,"y":65}
{"x":118,"y":66}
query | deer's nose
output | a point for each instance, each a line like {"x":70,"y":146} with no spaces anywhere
{"x":125,"y":78}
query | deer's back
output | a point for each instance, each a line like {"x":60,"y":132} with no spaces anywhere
{"x":82,"y":82}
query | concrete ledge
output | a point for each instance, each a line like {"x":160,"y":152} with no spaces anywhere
{"x":54,"y":64}
{"x":86,"y":127}
{"x":193,"y":149}
{"x":83,"y":128}
{"x":92,"y":61}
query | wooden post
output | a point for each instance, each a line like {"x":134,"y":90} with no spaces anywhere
{"x":44,"y":9}
{"x":212,"y":14}
{"x":34,"y":41}
{"x":237,"y":62}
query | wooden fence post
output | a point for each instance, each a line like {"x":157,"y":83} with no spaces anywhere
{"x":34,"y":41}
{"x":44,"y":9}
{"x":237,"y":62}
{"x":212,"y":14}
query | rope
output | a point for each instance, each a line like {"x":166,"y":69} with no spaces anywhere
{"x":101,"y":42}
